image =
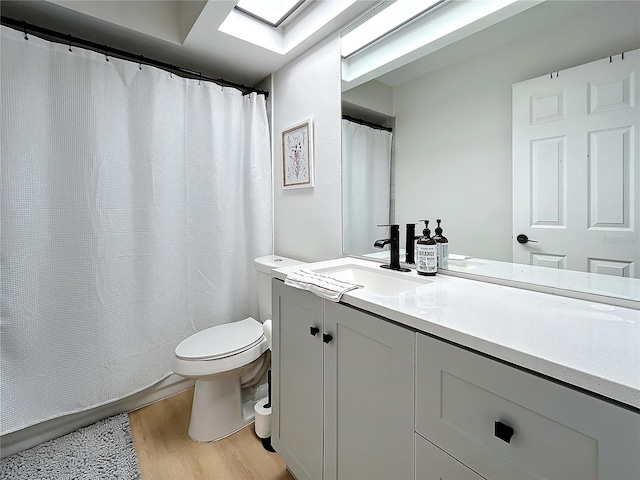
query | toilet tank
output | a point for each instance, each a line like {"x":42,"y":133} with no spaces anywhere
{"x":264,"y":266}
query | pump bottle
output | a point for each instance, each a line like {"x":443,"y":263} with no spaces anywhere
{"x":442,"y":247}
{"x":426,"y":263}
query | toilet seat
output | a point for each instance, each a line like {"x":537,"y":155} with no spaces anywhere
{"x":244,"y":343}
{"x":221,"y":341}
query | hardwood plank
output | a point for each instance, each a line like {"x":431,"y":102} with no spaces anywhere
{"x":165,"y":450}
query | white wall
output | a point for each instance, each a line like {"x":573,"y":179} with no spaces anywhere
{"x":453,"y":151}
{"x":168,"y":20}
{"x":308,"y":221}
{"x":372,"y":95}
{"x":453,"y":129}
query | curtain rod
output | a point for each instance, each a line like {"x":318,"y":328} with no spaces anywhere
{"x":71,"y":40}
{"x":367,"y":124}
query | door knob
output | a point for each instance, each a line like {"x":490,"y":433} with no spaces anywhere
{"x":314,"y":331}
{"x":326,"y":338}
{"x":522,"y":238}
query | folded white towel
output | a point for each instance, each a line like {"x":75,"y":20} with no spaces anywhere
{"x":321,"y":285}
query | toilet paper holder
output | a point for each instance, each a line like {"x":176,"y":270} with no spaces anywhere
{"x":263,"y":418}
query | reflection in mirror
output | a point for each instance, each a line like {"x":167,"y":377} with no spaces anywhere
{"x":366,"y":180}
{"x":455,"y":147}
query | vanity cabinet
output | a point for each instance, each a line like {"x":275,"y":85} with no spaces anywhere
{"x":342,"y":390}
{"x":358,"y":396}
{"x":435,"y":464}
{"x":504,"y":423}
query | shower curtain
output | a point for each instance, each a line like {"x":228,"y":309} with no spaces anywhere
{"x":366,"y":169}
{"x":133,"y":204}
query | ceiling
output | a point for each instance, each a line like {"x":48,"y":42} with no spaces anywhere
{"x":611,"y":20}
{"x":186,"y":32}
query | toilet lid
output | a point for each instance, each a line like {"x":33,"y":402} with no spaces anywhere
{"x":221,"y":341}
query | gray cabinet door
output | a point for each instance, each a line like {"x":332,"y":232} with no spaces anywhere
{"x":369,"y":392}
{"x":296,"y":423}
{"x":464,"y":401}
{"x":435,"y":464}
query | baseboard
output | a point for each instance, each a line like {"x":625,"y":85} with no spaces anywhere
{"x":36,"y":434}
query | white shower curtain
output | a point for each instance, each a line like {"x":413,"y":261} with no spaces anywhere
{"x":133,"y":204}
{"x":366,"y":167}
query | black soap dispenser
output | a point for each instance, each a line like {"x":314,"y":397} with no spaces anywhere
{"x":442,"y":247}
{"x":427,"y":261}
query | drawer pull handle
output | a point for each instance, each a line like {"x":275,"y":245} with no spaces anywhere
{"x":326,"y":338}
{"x":503,"y":431}
{"x":313,"y":331}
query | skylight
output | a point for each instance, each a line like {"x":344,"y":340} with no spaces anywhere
{"x":392,"y":17}
{"x":273,"y":12}
{"x":419,"y":36}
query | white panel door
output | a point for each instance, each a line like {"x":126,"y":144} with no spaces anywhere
{"x":576,"y":168}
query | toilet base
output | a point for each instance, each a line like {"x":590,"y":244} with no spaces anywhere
{"x":217,"y":409}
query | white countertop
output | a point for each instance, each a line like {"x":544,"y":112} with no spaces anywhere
{"x":611,"y":289}
{"x":590,"y":345}
{"x":570,"y":281}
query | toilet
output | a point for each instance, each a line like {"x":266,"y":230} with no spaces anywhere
{"x":225,"y":358}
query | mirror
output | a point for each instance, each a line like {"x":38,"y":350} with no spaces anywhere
{"x":452,"y":151}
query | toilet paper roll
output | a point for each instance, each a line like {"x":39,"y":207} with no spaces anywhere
{"x":263,"y":419}
{"x":266,"y":328}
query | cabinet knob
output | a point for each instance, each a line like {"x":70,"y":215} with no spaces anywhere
{"x":503,"y":431}
{"x":313,"y":331}
{"x":326,"y":338}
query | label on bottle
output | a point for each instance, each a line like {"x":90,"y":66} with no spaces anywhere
{"x":443,"y":255}
{"x":427,"y":259}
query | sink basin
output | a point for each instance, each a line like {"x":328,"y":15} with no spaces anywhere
{"x":375,"y":280}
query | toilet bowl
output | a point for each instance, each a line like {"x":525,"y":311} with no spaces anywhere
{"x":222,"y":359}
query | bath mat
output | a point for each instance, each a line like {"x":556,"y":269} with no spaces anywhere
{"x":103,"y":450}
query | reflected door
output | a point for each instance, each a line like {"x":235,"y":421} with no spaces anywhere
{"x":576,"y":168}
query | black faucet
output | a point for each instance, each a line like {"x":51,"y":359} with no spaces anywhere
{"x":394,"y":241}
{"x":410,"y":243}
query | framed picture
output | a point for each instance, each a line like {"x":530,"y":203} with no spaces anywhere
{"x":297,"y":156}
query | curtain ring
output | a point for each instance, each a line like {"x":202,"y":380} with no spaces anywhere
{"x":26,"y":37}
{"x":622,"y":54}
{"x":70,"y":43}
{"x":199,"y":77}
{"x":610,"y":59}
{"x":106,"y":55}
{"x":140,"y":63}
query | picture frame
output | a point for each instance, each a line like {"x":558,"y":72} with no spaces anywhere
{"x":297,"y":156}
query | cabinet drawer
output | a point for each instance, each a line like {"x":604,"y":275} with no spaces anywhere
{"x":465,"y":402}
{"x":434,"y":464}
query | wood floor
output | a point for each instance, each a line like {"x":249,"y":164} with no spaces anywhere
{"x":165,"y":451}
